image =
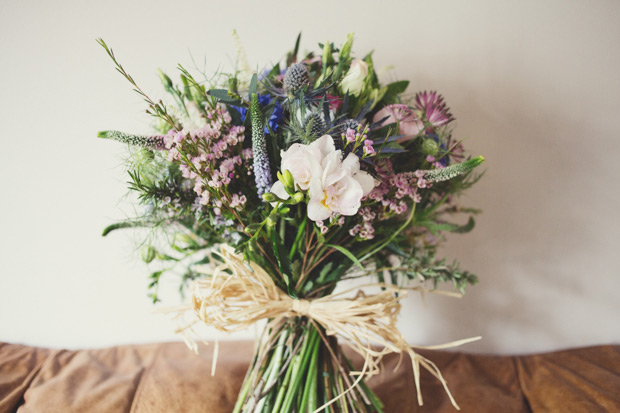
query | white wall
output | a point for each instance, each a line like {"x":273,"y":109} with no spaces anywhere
{"x":534,"y":84}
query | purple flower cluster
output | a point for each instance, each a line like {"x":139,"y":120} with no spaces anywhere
{"x":212,"y":157}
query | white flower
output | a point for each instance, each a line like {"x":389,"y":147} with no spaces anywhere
{"x":334,"y":185}
{"x":304,"y":163}
{"x":354,"y":79}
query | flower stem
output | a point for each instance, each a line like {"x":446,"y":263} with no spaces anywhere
{"x":298,"y":375}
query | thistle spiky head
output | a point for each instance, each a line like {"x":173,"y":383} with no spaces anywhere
{"x":314,"y":125}
{"x":350,"y":124}
{"x":296,"y":78}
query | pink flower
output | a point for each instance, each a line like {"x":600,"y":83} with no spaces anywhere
{"x":350,"y":135}
{"x":433,"y":108}
{"x":408,"y":122}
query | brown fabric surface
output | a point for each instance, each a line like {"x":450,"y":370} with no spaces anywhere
{"x":158,"y":378}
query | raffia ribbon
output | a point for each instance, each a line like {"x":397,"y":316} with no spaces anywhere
{"x":238,"y":294}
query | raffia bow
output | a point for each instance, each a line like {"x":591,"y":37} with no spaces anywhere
{"x":238,"y":294}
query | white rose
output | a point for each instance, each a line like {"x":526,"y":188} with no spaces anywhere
{"x":354,"y":79}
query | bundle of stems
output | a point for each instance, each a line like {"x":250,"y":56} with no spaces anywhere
{"x":298,"y":368}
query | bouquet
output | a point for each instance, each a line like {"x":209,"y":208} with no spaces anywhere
{"x":273,"y":187}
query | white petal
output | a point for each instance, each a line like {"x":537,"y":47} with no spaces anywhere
{"x":366,"y":181}
{"x":348,"y":202}
{"x":278,"y":190}
{"x":351,"y":163}
{"x":317,"y":211}
{"x":325,"y":145}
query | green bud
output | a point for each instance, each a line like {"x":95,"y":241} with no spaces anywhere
{"x":183,"y":238}
{"x":327,"y":55}
{"x":233,"y":84}
{"x":288,"y":180}
{"x":284,"y":210}
{"x":297,"y":197}
{"x":187,"y":91}
{"x":269,"y":197}
{"x":165,"y":79}
{"x":345,"y":51}
{"x":148,"y":254}
{"x":430,"y":147}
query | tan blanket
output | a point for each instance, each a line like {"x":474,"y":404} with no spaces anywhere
{"x":158,"y":378}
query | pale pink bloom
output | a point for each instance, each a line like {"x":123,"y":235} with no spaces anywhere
{"x":408,"y":122}
{"x":335,"y":185}
{"x":350,"y":135}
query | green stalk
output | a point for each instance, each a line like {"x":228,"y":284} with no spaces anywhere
{"x":367,"y":255}
{"x":341,"y":384}
{"x":300,"y":233}
{"x":293,"y":371}
{"x":274,"y":368}
{"x":284,"y":386}
{"x":243,"y":394}
{"x":309,"y":397}
{"x":288,"y":401}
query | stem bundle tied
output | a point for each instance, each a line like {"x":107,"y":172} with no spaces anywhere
{"x":238,"y":294}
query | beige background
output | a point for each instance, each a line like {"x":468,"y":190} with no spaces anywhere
{"x":535,"y":85}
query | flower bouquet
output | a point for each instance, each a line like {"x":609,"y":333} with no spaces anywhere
{"x":274,"y":187}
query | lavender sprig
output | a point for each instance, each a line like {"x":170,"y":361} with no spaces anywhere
{"x":262,"y":172}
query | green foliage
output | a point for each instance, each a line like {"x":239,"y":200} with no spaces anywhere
{"x":422,"y":265}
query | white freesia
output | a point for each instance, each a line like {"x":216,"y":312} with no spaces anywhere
{"x":353,"y":82}
{"x":334,"y":185}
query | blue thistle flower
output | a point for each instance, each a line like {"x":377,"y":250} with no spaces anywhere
{"x":262,"y":172}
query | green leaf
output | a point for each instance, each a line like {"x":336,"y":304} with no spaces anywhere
{"x":120,"y":225}
{"x":222,"y":95}
{"x":275,"y":71}
{"x":324,"y":272}
{"x":281,"y":257}
{"x":452,"y":171}
{"x":347,"y":253}
{"x":396,"y":88}
{"x":253,"y":85}
{"x":435,"y":227}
